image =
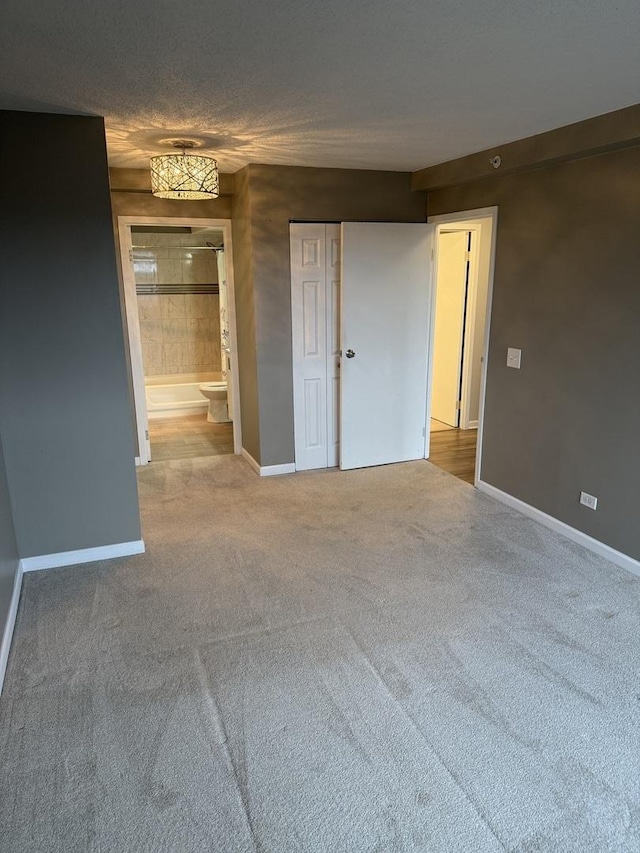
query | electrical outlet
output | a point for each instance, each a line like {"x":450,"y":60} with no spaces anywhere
{"x":588,"y":500}
{"x":513,"y":357}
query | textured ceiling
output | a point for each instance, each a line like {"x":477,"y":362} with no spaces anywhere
{"x":347,"y":83}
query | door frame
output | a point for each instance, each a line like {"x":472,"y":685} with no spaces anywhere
{"x":130,"y":306}
{"x":444,"y":222}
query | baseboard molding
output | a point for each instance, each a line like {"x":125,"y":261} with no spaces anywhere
{"x":473,"y":425}
{"x":249,"y":458}
{"x":595,"y":545}
{"x":275,"y":470}
{"x":85,"y":555}
{"x":268,"y":470}
{"x":7,"y":634}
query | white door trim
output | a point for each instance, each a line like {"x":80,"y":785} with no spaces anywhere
{"x":133,"y":321}
{"x":462,"y":217}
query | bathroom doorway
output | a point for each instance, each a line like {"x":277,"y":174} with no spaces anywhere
{"x":180,"y":312}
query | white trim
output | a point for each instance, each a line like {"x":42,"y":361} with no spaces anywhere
{"x":595,"y":545}
{"x":276,"y":470}
{"x":462,"y":216}
{"x":85,"y":555}
{"x":470,"y":327}
{"x":268,"y":470}
{"x":472,"y":425}
{"x":138,"y":461}
{"x":249,"y":458}
{"x":133,"y":321}
{"x":9,"y":625}
{"x":134,"y":340}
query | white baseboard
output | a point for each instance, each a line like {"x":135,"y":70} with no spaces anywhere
{"x":138,"y":461}
{"x":85,"y":555}
{"x":473,"y":425}
{"x":274,"y":470}
{"x":249,"y":458}
{"x":268,"y":470}
{"x":7,"y":634}
{"x":595,"y":545}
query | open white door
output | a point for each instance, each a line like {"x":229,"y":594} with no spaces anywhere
{"x":385,"y":319}
{"x":451,"y":288}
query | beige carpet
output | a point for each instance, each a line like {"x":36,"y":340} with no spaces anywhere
{"x":379,"y":660}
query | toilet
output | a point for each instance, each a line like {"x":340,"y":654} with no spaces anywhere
{"x":216,"y":394}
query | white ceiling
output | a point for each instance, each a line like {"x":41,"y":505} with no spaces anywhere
{"x":348,"y":83}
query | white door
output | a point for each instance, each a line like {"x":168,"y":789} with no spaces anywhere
{"x":451,"y":286}
{"x":315,"y":292}
{"x":385,"y":316}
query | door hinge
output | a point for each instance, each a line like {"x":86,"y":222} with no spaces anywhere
{"x":131,"y":255}
{"x":424,"y":432}
{"x":146,"y":434}
{"x":458,"y":404}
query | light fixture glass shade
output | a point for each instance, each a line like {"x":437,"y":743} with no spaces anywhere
{"x":189,"y":176}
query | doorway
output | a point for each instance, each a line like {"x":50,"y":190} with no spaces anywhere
{"x":464,"y":256}
{"x":180,"y":312}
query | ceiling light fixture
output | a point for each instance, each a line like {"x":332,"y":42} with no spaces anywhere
{"x":188,"y":176}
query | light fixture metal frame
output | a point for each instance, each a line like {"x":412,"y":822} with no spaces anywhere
{"x":184,"y":176}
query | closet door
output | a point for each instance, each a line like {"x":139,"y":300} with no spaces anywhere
{"x":332,"y":301}
{"x":385,"y":316}
{"x":315,"y":289}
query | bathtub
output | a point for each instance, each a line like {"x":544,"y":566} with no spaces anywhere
{"x":177,"y":395}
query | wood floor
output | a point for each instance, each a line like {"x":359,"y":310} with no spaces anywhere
{"x":454,"y":450}
{"x":181,"y":438}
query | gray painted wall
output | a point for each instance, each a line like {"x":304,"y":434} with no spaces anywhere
{"x":277,"y":195}
{"x":66,"y":419}
{"x":8,"y":546}
{"x":245,"y":314}
{"x":566,"y":292}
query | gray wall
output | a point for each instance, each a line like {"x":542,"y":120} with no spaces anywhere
{"x":245,"y":314}
{"x":145,"y":204}
{"x":567,"y":292}
{"x":8,"y":547}
{"x":66,"y":420}
{"x":277,"y":195}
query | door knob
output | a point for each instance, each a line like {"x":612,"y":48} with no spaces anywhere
{"x":350,"y":353}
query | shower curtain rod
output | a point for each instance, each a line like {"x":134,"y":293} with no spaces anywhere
{"x":189,"y":248}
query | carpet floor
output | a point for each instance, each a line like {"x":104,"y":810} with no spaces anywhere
{"x":334,"y":662}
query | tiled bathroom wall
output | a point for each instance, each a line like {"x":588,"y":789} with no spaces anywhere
{"x":180,"y":333}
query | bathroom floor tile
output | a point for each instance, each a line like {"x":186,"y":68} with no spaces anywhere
{"x":191,"y":436}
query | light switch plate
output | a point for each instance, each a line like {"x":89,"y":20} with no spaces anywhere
{"x":513,"y":357}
